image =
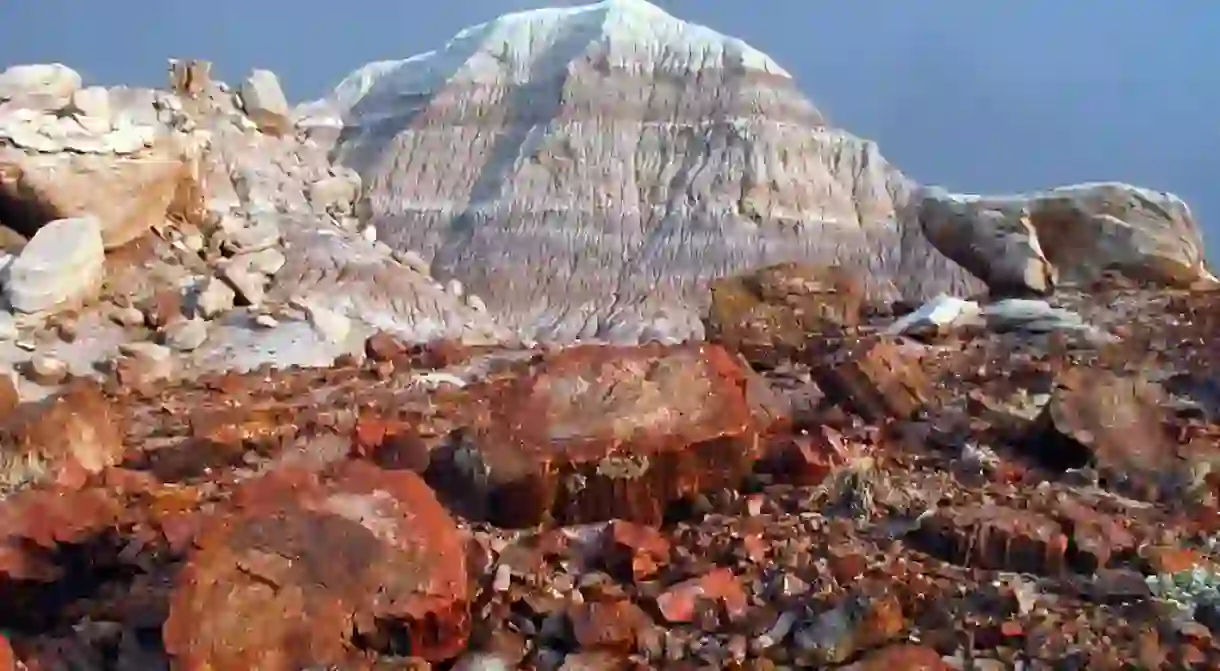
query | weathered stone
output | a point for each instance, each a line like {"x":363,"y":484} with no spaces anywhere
{"x":807,"y":460}
{"x":185,"y":335}
{"x":335,"y":193}
{"x":144,"y":363}
{"x":877,"y":379}
{"x":868,"y":617}
{"x":997,"y":538}
{"x":93,"y":102}
{"x":214,"y":298}
{"x":62,"y":266}
{"x":61,"y":439}
{"x":608,"y":626}
{"x":189,"y":77}
{"x":904,"y":656}
{"x":128,"y":195}
{"x":720,"y":587}
{"x":773,"y":312}
{"x":1113,"y":423}
{"x":307,"y":569}
{"x":633,"y":551}
{"x":264,"y":102}
{"x":46,"y":370}
{"x":599,"y":433}
{"x":1070,"y":234}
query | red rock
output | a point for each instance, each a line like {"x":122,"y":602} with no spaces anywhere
{"x":305,"y":566}
{"x":997,"y":538}
{"x":807,"y":460}
{"x":877,"y":378}
{"x":679,"y":603}
{"x":607,"y":625}
{"x":1168,"y":559}
{"x":391,"y":444}
{"x":902,"y":657}
{"x":61,"y":440}
{"x":163,"y":308}
{"x":9,"y":399}
{"x":382,"y":346}
{"x":1114,"y":423}
{"x":634,"y":551}
{"x":8,"y":660}
{"x":597,"y":433}
{"x":1095,"y":536}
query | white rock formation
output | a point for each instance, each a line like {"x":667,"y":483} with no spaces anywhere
{"x":587,"y":169}
{"x":264,"y":101}
{"x":61,"y":266}
{"x":584,"y":169}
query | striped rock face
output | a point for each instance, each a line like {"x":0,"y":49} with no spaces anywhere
{"x":589,"y":170}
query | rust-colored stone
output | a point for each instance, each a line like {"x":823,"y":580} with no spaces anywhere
{"x":634,"y":551}
{"x":382,"y":346}
{"x":610,"y":625}
{"x":720,"y":586}
{"x":35,"y":523}
{"x":902,"y":657}
{"x":806,"y":460}
{"x":998,"y":538}
{"x":772,"y":312}
{"x":1114,"y":423}
{"x":61,"y":440}
{"x":163,"y":308}
{"x":1095,"y":536}
{"x":305,"y":568}
{"x":8,"y":660}
{"x":1169,"y":559}
{"x":597,"y":433}
{"x":877,"y":379}
{"x":9,"y":399}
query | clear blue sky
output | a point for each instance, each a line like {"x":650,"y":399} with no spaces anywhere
{"x":977,"y":96}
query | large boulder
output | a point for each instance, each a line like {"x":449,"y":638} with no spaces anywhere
{"x":608,"y":172}
{"x":62,"y":266}
{"x":1071,"y":234}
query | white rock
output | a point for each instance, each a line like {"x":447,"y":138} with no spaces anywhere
{"x":330,"y":325}
{"x":47,"y":370}
{"x":92,"y":102}
{"x":185,"y":335}
{"x":454,"y":286}
{"x":266,"y":321}
{"x":214,"y":297}
{"x":156,"y":361}
{"x":941,"y":312}
{"x":264,"y":102}
{"x":412,"y":259}
{"x":62,"y":264}
{"x":127,"y":316}
{"x":265,"y":261}
{"x":53,"y":79}
{"x":251,"y":285}
{"x":335,"y":192}
{"x":8,"y":326}
{"x":369,"y":233}
{"x":260,"y":232}
{"x":475,"y":303}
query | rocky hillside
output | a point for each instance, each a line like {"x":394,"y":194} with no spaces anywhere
{"x":589,"y":170}
{"x":273,"y":396}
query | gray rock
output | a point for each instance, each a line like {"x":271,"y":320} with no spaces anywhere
{"x":264,"y":102}
{"x":62,"y":265}
{"x":185,"y":335}
{"x":214,"y":297}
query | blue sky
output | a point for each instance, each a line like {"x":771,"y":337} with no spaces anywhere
{"x":975,"y":96}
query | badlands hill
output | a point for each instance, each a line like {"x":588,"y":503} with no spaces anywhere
{"x":588,"y":170}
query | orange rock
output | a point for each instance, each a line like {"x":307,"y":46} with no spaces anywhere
{"x":997,"y":538}
{"x":8,"y":660}
{"x":807,"y":460}
{"x":633,"y":550}
{"x":597,"y":433}
{"x":902,"y":657}
{"x":877,"y":379}
{"x":721,"y":586}
{"x":307,"y":568}
{"x":61,"y":440}
{"x":610,"y":626}
{"x":1168,"y":559}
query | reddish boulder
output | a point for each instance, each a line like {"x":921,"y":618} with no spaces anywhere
{"x":719,"y":588}
{"x":876,"y":378}
{"x":597,"y":433}
{"x":633,"y":551}
{"x":806,"y":460}
{"x":1115,"y":424}
{"x":997,"y":538}
{"x":307,"y":569}
{"x":60,"y":440}
{"x":35,"y":523}
{"x":902,"y":657}
{"x":612,"y":625}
